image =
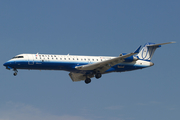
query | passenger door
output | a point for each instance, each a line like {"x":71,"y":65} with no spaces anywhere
{"x":30,"y":59}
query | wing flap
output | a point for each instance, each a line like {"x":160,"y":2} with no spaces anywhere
{"x":79,"y":76}
{"x":76,"y":76}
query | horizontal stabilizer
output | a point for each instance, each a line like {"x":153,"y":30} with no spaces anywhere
{"x":161,"y":44}
{"x":148,"y":50}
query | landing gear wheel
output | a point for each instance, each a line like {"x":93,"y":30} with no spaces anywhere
{"x":88,"y":80}
{"x":15,"y":74}
{"x":98,"y":75}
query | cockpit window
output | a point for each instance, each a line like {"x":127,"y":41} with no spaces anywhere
{"x":18,"y":57}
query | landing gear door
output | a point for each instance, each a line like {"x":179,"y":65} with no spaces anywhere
{"x":30,"y":59}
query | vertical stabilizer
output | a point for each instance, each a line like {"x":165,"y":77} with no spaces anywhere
{"x":147,"y":52}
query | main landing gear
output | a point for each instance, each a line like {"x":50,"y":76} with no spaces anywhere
{"x":88,"y":80}
{"x":15,"y":72}
{"x":97,"y":76}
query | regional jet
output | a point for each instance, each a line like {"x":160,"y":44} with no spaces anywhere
{"x":83,"y":68}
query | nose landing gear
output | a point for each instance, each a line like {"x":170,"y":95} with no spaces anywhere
{"x":15,"y":72}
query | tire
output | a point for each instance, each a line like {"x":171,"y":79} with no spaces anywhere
{"x":88,"y":80}
{"x":98,"y":75}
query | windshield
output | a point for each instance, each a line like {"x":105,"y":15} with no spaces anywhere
{"x":18,"y":57}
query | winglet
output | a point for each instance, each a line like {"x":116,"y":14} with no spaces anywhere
{"x":137,"y":51}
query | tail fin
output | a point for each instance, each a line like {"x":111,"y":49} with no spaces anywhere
{"x":148,"y":50}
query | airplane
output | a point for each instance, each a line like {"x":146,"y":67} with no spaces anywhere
{"x":83,"y":68}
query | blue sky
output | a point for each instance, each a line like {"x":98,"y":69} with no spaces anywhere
{"x":96,"y":27}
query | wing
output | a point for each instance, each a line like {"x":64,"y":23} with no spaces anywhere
{"x":105,"y":65}
{"x":78,"y":76}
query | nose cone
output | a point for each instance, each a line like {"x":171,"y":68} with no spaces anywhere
{"x":8,"y":63}
{"x":5,"y":64}
{"x":151,"y":64}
